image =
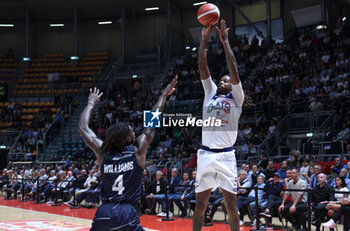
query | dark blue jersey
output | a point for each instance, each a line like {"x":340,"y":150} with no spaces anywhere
{"x":121,"y":176}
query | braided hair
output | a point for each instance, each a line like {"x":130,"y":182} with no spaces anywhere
{"x":116,"y":137}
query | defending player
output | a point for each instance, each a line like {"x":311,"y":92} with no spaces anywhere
{"x":217,"y":165}
{"x":121,"y":160}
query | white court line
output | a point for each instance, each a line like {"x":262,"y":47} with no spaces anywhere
{"x":34,"y":211}
{"x":13,"y":214}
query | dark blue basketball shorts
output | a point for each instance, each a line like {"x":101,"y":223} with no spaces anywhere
{"x":116,"y":217}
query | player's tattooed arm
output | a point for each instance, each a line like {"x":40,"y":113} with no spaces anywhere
{"x":88,"y":135}
{"x":202,"y":53}
{"x":145,"y":139}
{"x":230,"y":57}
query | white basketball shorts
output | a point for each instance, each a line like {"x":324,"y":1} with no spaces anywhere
{"x":216,"y":170}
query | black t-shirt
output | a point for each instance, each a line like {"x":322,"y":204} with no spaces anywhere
{"x":80,"y":181}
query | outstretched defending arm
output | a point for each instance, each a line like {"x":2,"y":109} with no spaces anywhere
{"x":145,"y":139}
{"x":88,"y":135}
{"x":202,"y":53}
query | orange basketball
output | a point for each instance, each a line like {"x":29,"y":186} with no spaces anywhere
{"x":208,"y":13}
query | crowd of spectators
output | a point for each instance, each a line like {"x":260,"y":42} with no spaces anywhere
{"x":73,"y":183}
{"x":305,"y":72}
{"x":33,"y":130}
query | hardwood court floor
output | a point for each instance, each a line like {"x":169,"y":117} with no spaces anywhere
{"x":26,"y":216}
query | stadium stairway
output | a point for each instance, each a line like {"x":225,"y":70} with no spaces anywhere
{"x":293,"y":129}
{"x":68,"y":140}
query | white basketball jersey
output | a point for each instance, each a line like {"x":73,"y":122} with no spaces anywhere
{"x":227,"y":108}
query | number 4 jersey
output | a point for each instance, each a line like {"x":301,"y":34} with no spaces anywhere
{"x":121,"y":176}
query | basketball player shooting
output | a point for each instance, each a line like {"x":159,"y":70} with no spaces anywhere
{"x":121,"y":159}
{"x":216,"y":163}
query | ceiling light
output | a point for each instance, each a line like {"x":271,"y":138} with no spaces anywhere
{"x":7,"y":25}
{"x":344,"y":18}
{"x":152,"y":8}
{"x":320,"y":27}
{"x":57,"y":25}
{"x":199,"y":3}
{"x":105,"y":22}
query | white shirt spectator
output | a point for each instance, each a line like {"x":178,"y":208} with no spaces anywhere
{"x":325,"y":58}
{"x":315,"y":106}
{"x":88,"y":181}
{"x":324,"y":78}
{"x":272,"y":128}
{"x":340,"y":196}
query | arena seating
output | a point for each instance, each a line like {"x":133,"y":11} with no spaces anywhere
{"x":35,"y":78}
{"x":8,"y":68}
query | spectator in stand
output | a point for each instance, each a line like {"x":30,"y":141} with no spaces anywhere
{"x":320,"y":196}
{"x":168,"y":142}
{"x":304,"y":171}
{"x":255,"y":173}
{"x":158,"y":191}
{"x":174,"y":180}
{"x":340,"y":186}
{"x":244,"y":202}
{"x":270,"y":170}
{"x":178,"y":192}
{"x":91,"y":194}
{"x":295,"y":212}
{"x":329,"y":134}
{"x":316,"y":105}
{"x":344,"y":210}
{"x":246,"y":167}
{"x":176,"y":163}
{"x":3,"y":178}
{"x":338,"y":165}
{"x":151,"y":168}
{"x":263,"y":162}
{"x":48,"y":186}
{"x":313,"y":177}
{"x":345,"y":132}
{"x":244,"y":183}
{"x":147,"y":188}
{"x":14,"y":184}
{"x":188,"y":195}
{"x":79,"y":185}
{"x":335,"y":146}
{"x":272,"y":197}
{"x":87,"y":184}
{"x":283,"y":170}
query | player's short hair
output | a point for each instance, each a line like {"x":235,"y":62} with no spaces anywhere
{"x":243,"y":171}
{"x":116,"y":137}
{"x":159,"y":172}
{"x":175,"y":169}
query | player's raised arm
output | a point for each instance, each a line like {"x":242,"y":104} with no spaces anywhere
{"x":230,"y":58}
{"x":145,"y":139}
{"x":202,"y":53}
{"x":88,"y":135}
{"x":231,"y":63}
